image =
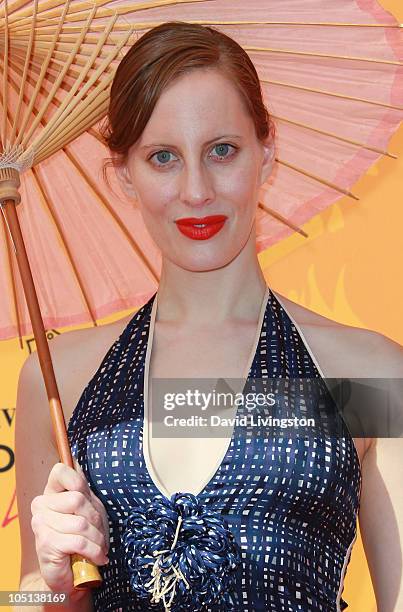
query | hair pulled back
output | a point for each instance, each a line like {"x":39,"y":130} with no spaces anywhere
{"x":155,"y":60}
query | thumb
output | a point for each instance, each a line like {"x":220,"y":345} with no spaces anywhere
{"x":77,"y":466}
{"x":80,"y":471}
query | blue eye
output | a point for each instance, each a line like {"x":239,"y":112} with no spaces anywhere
{"x":162,"y":157}
{"x":224,"y":150}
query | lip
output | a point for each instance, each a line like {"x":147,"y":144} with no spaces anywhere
{"x":191,"y":221}
{"x":211,"y":226}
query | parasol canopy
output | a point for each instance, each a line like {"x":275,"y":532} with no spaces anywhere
{"x":332,"y":78}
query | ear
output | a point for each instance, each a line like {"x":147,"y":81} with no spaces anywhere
{"x":125,"y":181}
{"x":269,"y":155}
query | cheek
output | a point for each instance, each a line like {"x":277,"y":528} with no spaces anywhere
{"x":154,"y":198}
{"x":241,"y":189}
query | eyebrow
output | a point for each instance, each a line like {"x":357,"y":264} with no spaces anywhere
{"x":232,"y":136}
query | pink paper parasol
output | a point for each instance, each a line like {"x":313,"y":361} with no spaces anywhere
{"x":334,"y":88}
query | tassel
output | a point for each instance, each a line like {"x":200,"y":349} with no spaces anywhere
{"x":165,"y":581}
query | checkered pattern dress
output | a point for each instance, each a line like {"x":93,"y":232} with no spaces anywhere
{"x":290,"y":501}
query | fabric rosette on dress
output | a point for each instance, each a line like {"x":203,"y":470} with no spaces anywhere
{"x":181,"y":554}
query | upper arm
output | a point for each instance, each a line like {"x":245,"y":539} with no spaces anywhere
{"x":35,"y":454}
{"x":381,"y":520}
{"x":381,"y":510}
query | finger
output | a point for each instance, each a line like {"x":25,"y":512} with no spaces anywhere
{"x":68,"y":524}
{"x":64,"y":478}
{"x":98,"y":505}
{"x":80,"y":470}
{"x":52,"y":546}
{"x":104,"y":516}
{"x":68,"y":502}
{"x":78,"y":467}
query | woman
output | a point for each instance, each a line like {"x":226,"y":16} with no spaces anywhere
{"x":192,"y":144}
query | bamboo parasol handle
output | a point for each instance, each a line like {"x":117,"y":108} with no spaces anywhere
{"x":85,"y":573}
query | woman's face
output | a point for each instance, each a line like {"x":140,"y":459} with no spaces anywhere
{"x":198,"y":156}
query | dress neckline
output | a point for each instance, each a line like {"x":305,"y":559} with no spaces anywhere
{"x":246,"y":375}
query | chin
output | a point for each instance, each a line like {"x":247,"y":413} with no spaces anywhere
{"x":203,"y":262}
{"x":197,"y":267}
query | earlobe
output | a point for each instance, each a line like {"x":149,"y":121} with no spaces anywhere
{"x":123,"y":176}
{"x":268,"y":161}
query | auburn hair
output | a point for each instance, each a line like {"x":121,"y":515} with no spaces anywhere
{"x":162,"y":55}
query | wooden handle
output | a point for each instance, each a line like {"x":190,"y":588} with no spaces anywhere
{"x":85,"y":573}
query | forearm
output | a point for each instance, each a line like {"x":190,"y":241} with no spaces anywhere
{"x":79,"y":601}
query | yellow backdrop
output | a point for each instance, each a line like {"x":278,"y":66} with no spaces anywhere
{"x":346,"y":270}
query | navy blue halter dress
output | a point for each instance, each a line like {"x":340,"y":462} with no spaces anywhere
{"x":287,"y":504}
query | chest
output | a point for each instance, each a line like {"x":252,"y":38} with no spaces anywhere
{"x":180,"y":463}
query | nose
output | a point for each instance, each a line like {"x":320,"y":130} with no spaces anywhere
{"x":196,"y":185}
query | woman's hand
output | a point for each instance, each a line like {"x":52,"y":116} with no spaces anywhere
{"x":68,"y":518}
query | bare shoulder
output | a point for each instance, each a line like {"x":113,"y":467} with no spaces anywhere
{"x":347,"y":351}
{"x":76,"y":356}
{"x":88,"y":343}
{"x":343,"y":351}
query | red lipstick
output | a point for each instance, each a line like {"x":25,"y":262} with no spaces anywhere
{"x":201,"y":228}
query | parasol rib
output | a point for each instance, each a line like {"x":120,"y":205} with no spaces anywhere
{"x":254,"y":49}
{"x":318,"y":179}
{"x":56,"y":84}
{"x":97,"y":193}
{"x":282,"y":219}
{"x":69,"y":31}
{"x":63,"y":111}
{"x":26,"y":99}
{"x":46,"y":203}
{"x":32,"y":81}
{"x":12,"y":278}
{"x":64,"y":44}
{"x":59,"y":59}
{"x":335,"y":136}
{"x":25,"y":73}
{"x":295,"y":23}
{"x":88,"y":116}
{"x":333,"y":94}
{"x":25,"y":15}
{"x":71,"y":113}
{"x":325,"y":55}
{"x":40,"y":81}
{"x":4,"y":98}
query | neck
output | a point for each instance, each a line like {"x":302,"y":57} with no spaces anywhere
{"x":234,"y":291}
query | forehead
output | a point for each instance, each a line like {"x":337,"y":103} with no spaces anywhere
{"x":199,"y":103}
